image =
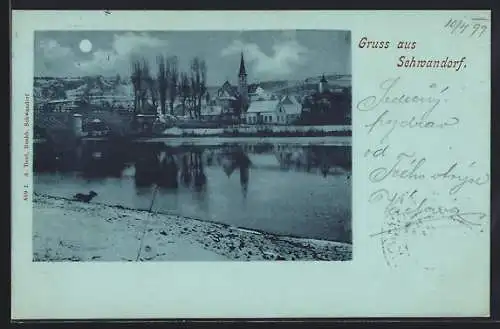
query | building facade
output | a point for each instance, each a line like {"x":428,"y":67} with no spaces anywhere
{"x":283,"y":111}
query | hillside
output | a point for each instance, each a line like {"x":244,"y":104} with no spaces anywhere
{"x":51,"y":88}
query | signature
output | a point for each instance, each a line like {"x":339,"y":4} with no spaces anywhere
{"x":409,"y":213}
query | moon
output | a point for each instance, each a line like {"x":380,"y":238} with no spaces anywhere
{"x":85,"y":46}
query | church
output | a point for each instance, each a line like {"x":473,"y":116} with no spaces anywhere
{"x":234,"y":100}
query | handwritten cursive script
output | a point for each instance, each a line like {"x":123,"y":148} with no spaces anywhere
{"x":389,"y":96}
{"x":388,"y":119}
{"x":410,"y":167}
{"x":451,"y":174}
{"x":413,"y":212}
{"x":422,"y":207}
{"x":413,"y":209}
{"x":407,"y":166}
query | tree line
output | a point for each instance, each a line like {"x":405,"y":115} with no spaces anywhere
{"x":327,"y":108}
{"x":169,"y":85}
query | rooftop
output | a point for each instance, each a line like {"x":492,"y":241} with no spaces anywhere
{"x":61,"y":101}
{"x":263,"y":106}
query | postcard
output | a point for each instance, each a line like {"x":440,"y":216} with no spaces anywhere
{"x":250,"y":164}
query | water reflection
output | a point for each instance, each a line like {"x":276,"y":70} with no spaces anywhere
{"x":306,"y":188}
{"x":236,"y":158}
{"x":92,"y":159}
{"x":168,"y":167}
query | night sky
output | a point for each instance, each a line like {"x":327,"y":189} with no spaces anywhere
{"x":269,"y":55}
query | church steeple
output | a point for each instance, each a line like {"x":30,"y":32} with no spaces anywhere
{"x":322,"y":84}
{"x":243,"y":85}
{"x":243,"y":71}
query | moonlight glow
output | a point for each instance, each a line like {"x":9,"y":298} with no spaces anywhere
{"x":85,"y":46}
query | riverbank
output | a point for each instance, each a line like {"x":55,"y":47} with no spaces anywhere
{"x":269,"y":131}
{"x":211,"y":141}
{"x":65,"y":230}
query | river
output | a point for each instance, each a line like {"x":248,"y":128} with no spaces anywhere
{"x":281,"y":188}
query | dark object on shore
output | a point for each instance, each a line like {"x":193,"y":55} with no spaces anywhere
{"x":85,"y":197}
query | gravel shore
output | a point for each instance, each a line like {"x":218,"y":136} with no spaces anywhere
{"x":65,"y":230}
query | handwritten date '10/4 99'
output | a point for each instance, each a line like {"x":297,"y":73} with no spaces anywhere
{"x":475,"y":27}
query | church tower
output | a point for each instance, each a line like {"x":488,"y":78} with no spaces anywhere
{"x":242,"y":83}
{"x":323,"y":84}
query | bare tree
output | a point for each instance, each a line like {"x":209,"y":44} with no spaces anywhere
{"x":146,"y":77}
{"x":195,"y":83}
{"x":163,"y":82}
{"x":203,"y":84}
{"x":136,"y":78}
{"x":185,"y":91}
{"x":198,"y":83}
{"x":173,"y":69}
{"x":153,"y":91}
{"x":192,"y":96}
{"x":143,"y":84}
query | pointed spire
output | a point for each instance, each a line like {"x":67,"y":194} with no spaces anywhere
{"x":242,"y":66}
{"x":323,"y":79}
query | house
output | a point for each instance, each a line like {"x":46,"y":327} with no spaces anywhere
{"x":76,"y":93}
{"x":263,"y":112}
{"x":62,"y":105}
{"x":226,"y":96}
{"x":113,"y":101}
{"x":292,"y":108}
{"x":257,"y":93}
{"x":95,"y":92}
{"x":96,"y":128}
{"x":211,"y":112}
{"x":281,"y":111}
{"x":229,"y":100}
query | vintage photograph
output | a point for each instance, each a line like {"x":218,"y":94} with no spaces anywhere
{"x":192,"y":146}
